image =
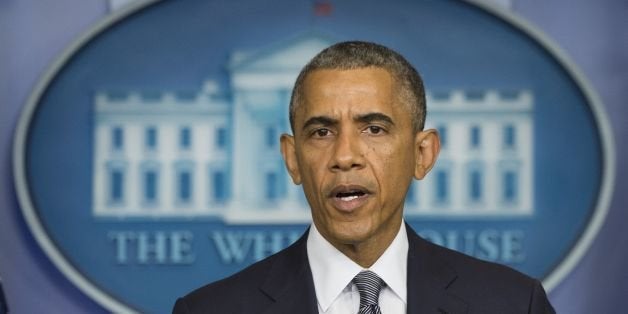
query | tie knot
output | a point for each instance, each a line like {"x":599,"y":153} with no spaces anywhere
{"x":369,"y":285}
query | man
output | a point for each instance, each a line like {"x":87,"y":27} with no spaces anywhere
{"x":357,"y":114}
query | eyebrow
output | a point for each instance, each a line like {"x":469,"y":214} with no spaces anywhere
{"x":320,"y":120}
{"x":374,"y":117}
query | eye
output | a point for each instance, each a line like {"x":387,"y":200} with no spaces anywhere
{"x":374,"y":129}
{"x":321,"y":132}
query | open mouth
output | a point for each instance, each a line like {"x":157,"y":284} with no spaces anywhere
{"x":350,"y":195}
{"x":348,"y":198}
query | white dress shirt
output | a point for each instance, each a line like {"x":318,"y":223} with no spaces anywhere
{"x":333,"y":271}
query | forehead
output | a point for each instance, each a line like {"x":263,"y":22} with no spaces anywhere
{"x":335,"y":91}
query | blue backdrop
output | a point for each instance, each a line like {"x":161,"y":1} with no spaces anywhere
{"x":33,"y":34}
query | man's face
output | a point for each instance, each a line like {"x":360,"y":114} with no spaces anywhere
{"x":355,"y":152}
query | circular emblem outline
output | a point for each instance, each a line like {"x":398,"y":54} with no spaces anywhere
{"x":36,"y":227}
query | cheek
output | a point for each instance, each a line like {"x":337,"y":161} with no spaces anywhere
{"x":393,"y":166}
{"x":387,"y":158}
{"x":314,"y":159}
{"x":312,"y":172}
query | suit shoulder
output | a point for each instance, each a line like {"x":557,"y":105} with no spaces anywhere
{"x":233,"y":293}
{"x":223,"y":294}
{"x":497,"y":285}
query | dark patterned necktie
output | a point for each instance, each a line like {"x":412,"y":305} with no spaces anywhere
{"x":369,"y":285}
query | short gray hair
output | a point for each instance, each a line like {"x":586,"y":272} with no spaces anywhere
{"x":359,"y":54}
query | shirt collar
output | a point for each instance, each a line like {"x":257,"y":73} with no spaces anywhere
{"x":332,"y":271}
{"x":392,"y":266}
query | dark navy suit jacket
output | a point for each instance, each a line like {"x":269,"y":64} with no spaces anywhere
{"x":439,"y":281}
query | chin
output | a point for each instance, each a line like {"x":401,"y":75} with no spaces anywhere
{"x":350,"y":233}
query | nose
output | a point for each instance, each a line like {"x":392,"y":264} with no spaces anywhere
{"x":347,"y":153}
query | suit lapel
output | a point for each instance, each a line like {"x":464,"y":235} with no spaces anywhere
{"x":289,"y":282}
{"x":429,"y":276}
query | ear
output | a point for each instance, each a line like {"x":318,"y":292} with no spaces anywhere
{"x":289,"y":154}
{"x":427,"y":147}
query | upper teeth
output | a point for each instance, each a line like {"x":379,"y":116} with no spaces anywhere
{"x":349,"y":198}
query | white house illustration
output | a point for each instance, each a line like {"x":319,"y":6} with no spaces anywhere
{"x":485,"y":166}
{"x":215,"y":153}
